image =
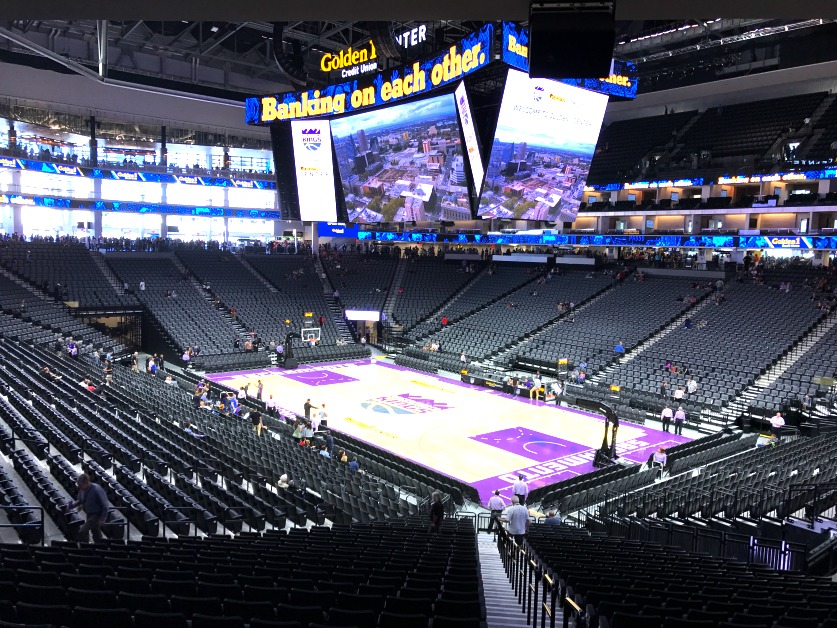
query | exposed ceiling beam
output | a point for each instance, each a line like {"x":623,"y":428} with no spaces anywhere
{"x":67,"y":63}
{"x":224,"y":37}
{"x":258,"y":10}
{"x":128,"y":33}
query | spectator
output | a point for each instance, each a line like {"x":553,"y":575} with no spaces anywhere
{"x":666,"y":416}
{"x":679,"y":420}
{"x":437,"y":512}
{"x":619,"y":348}
{"x":495,"y":505}
{"x":517,"y":518}
{"x":521,"y":489}
{"x":551,"y":519}
{"x":354,"y":467}
{"x":777,"y":422}
{"x":660,"y":458}
{"x":535,"y":391}
{"x":94,"y":503}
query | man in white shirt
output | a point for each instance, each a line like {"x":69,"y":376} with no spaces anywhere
{"x":521,"y":489}
{"x":270,"y":405}
{"x":691,"y":386}
{"x":666,"y":416}
{"x":777,"y":422}
{"x":517,"y":518}
{"x":495,"y":505}
{"x":679,"y":420}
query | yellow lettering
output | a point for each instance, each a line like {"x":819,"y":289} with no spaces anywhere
{"x":386,"y":91}
{"x":282,"y":112}
{"x":357,"y":99}
{"x":364,"y":56}
{"x":368,"y":96}
{"x":295,"y":110}
{"x":372,"y":54}
{"x":355,"y":57}
{"x":397,"y":88}
{"x":418,"y":79}
{"x":338,"y":103}
{"x":467,"y":57}
{"x":268,"y":109}
{"x":437,"y":73}
{"x":408,"y":84}
{"x":517,"y":48}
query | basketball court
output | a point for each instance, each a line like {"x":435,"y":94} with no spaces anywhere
{"x":478,"y":435}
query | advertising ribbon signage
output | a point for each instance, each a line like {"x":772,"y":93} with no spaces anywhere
{"x":468,"y":55}
{"x":621,"y":82}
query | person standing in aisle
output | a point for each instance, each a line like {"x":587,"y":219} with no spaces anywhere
{"x":495,"y":505}
{"x":94,"y":503}
{"x":521,"y":489}
{"x":517,"y":518}
{"x":437,"y":512}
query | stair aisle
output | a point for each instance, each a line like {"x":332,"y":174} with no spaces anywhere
{"x":501,"y":607}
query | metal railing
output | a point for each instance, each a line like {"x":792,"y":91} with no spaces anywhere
{"x":536,"y":588}
{"x":39,"y":525}
{"x":811,"y":502}
{"x":775,"y":553}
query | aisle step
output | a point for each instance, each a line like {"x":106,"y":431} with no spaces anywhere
{"x":501,"y":607}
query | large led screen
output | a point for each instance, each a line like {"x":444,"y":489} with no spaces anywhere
{"x":314,"y":170}
{"x":544,"y":142}
{"x":403,"y":163}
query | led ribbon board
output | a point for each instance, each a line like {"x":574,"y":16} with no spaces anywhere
{"x":468,"y":55}
{"x":621,"y":82}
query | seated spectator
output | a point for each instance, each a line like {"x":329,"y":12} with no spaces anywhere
{"x":619,"y":348}
{"x":47,"y":374}
{"x":660,"y":458}
{"x":551,"y":519}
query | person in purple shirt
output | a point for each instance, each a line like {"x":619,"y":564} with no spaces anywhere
{"x":94,"y":502}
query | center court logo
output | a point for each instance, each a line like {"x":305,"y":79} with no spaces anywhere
{"x":403,"y":404}
{"x":311,"y":139}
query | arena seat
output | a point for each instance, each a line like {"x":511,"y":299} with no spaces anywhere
{"x":69,"y":265}
{"x":188,"y":319}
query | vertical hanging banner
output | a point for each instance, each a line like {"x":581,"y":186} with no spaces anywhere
{"x":314,"y":170}
{"x":469,"y":131}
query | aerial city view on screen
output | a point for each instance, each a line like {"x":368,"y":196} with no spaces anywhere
{"x":403,"y":163}
{"x":545,"y":138}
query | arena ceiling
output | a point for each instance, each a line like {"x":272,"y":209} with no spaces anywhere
{"x":283,"y":10}
{"x":237,"y":38}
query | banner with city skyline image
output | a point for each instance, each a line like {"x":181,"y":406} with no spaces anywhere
{"x":545,"y":139}
{"x":403,"y":163}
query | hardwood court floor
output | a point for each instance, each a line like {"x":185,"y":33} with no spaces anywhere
{"x":478,"y":435}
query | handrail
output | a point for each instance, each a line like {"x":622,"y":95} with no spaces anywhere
{"x":536,"y":589}
{"x":16,"y":526}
